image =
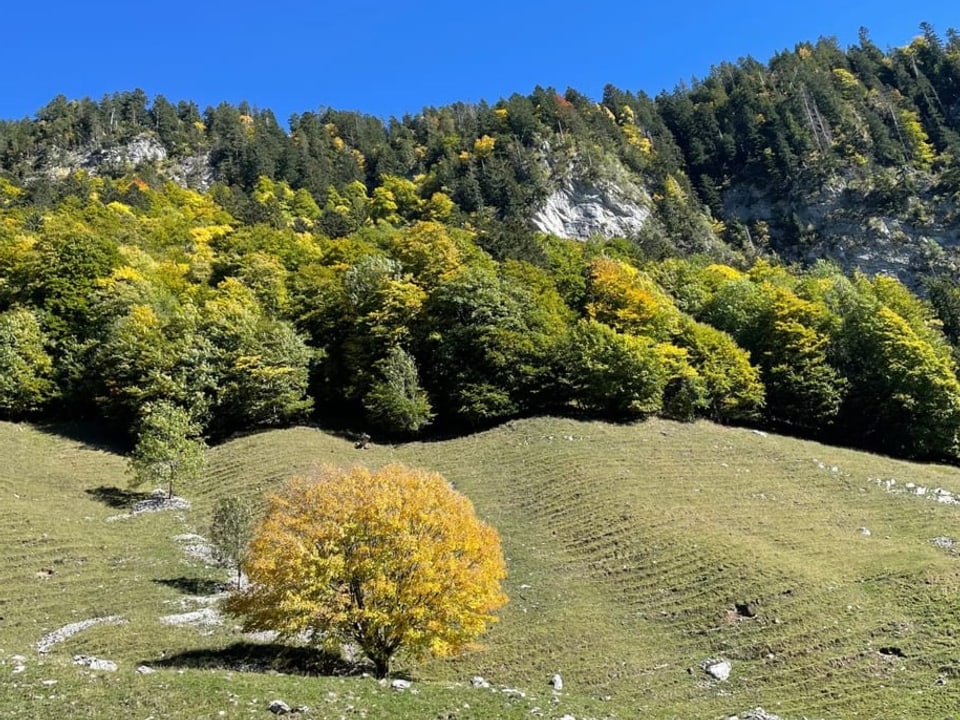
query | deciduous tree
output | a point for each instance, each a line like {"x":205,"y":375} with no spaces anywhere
{"x":394,"y":560}
{"x":231,"y":529}
{"x":169,"y":447}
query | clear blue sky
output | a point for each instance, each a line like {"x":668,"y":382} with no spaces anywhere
{"x":392,"y":58}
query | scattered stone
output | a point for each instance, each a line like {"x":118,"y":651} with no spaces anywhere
{"x":48,"y":683}
{"x":206,"y":616}
{"x":514,"y":692}
{"x":197,"y":547}
{"x":717,"y":669}
{"x":157,"y":502}
{"x":478,"y":682}
{"x":945,"y":496}
{"x":761,"y":433}
{"x":865,"y":532}
{"x":44,"y":574}
{"x":757,"y":713}
{"x":51,"y":639}
{"x":145,"y":670}
{"x":95,"y":663}
{"x":556,"y":681}
{"x":567,"y":717}
{"x":399,"y":684}
{"x":19,"y":664}
{"x":746,"y":609}
{"x":278,"y":707}
{"x":945,"y":543}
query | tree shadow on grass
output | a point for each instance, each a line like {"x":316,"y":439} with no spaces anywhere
{"x":194,"y":586}
{"x":117,"y":497}
{"x":94,"y":435}
{"x":261,"y":657}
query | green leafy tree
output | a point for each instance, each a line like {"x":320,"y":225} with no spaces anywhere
{"x":26,"y":368}
{"x":733,"y":391}
{"x":231,"y":529}
{"x":170,"y":449}
{"x":904,"y":395}
{"x":614,"y":373}
{"x":397,"y":403}
{"x":262,"y":363}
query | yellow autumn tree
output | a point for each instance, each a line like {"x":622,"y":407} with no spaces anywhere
{"x":393,"y":560}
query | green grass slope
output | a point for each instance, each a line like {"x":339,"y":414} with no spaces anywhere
{"x":629,"y":548}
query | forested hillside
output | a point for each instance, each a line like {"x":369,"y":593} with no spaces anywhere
{"x":390,"y":276}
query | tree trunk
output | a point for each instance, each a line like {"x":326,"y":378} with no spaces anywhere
{"x":381,"y":664}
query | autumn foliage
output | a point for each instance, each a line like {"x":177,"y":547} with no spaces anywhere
{"x":393,"y":560}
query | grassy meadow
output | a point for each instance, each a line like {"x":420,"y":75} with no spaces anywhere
{"x":635,"y":553}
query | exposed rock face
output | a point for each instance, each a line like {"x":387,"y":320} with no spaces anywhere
{"x":578,"y":210}
{"x":143,"y":148}
{"x":194,"y":171}
{"x":839,"y":223}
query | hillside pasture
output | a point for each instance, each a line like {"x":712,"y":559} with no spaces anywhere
{"x":827,"y":578}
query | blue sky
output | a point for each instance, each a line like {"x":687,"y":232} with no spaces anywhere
{"x":391,"y":58}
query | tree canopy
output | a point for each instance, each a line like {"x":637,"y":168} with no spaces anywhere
{"x":393,"y":560}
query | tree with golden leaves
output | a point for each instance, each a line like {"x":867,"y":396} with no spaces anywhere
{"x":392,"y":560}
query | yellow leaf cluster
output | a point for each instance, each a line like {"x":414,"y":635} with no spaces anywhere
{"x":483,"y":146}
{"x":636,"y":139}
{"x":628,"y":300}
{"x":392,"y":560}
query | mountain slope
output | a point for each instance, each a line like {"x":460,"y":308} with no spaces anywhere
{"x":820,"y":152}
{"x":635,"y":553}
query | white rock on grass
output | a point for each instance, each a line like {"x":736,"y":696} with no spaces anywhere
{"x":756,"y":714}
{"x":95,"y":663}
{"x":478,"y":682}
{"x":278,"y":707}
{"x":157,"y":502}
{"x":556,"y":681}
{"x":206,"y":616}
{"x":399,"y":684}
{"x":197,"y":547}
{"x":717,"y":669}
{"x":51,"y":639}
